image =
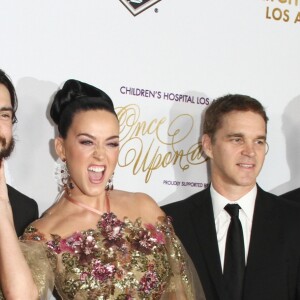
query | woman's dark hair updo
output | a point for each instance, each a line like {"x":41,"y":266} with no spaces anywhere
{"x":76,"y":96}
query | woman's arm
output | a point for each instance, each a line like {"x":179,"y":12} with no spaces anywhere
{"x":15,"y":275}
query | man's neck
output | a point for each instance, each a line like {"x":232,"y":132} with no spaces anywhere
{"x":231,"y":192}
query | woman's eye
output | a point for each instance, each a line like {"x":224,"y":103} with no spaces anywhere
{"x":86,"y":142}
{"x":114,"y":144}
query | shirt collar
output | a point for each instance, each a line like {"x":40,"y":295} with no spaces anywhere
{"x":246,"y":202}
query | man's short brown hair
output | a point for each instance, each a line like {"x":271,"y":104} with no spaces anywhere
{"x":223,"y":105}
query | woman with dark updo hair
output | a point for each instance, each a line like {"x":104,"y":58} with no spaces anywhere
{"x":94,"y":242}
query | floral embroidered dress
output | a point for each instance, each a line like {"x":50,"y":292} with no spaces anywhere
{"x":120,"y":260}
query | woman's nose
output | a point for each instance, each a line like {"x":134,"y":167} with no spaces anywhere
{"x":99,"y":152}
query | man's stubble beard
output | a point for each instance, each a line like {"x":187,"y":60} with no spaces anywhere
{"x":6,"y":148}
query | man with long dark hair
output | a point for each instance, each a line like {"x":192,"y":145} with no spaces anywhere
{"x":25,"y":209}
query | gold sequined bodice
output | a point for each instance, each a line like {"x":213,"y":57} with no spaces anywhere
{"x":118,"y":260}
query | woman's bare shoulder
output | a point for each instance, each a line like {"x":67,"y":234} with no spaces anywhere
{"x":46,"y":225}
{"x":138,"y":205}
{"x":54,"y":220}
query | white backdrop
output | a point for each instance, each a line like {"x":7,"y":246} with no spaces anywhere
{"x":198,"y":49}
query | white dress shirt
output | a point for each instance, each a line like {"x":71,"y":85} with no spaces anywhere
{"x":222,"y":218}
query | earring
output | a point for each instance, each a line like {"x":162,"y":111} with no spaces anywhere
{"x":62,"y":176}
{"x":109,"y":185}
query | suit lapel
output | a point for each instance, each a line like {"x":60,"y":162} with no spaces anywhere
{"x":204,"y":226}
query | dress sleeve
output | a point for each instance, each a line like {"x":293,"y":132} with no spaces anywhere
{"x":184,"y":284}
{"x":41,"y":264}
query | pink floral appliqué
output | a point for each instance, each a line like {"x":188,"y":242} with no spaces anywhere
{"x":72,"y":244}
{"x":112,"y":230}
{"x":149,"y":281}
{"x":102,"y":272}
{"x":147,"y":239}
{"x":156,"y":234}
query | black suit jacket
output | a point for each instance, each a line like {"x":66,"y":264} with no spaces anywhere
{"x":25,"y":209}
{"x":272,"y":272}
{"x":292,"y":195}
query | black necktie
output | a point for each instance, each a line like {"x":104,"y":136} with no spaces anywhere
{"x":234,"y":263}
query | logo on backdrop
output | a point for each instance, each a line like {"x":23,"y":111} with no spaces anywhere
{"x":164,"y":95}
{"x":152,"y":144}
{"x":138,"y":6}
{"x":283,"y":11}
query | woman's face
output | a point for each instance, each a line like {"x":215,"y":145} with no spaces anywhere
{"x":91,"y":150}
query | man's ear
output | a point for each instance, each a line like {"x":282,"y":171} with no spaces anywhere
{"x":207,"y":145}
{"x":60,"y":148}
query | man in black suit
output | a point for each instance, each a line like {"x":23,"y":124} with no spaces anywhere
{"x":292,"y":195}
{"x":234,"y":140}
{"x":25,"y":209}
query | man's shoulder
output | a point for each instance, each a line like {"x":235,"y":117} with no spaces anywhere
{"x":187,"y":202}
{"x":292,"y":195}
{"x":25,"y":209}
{"x":16,"y":196}
{"x":279,"y":198}
{"x":283,"y":206}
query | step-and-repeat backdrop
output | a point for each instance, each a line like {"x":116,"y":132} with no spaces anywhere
{"x":162,"y":62}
